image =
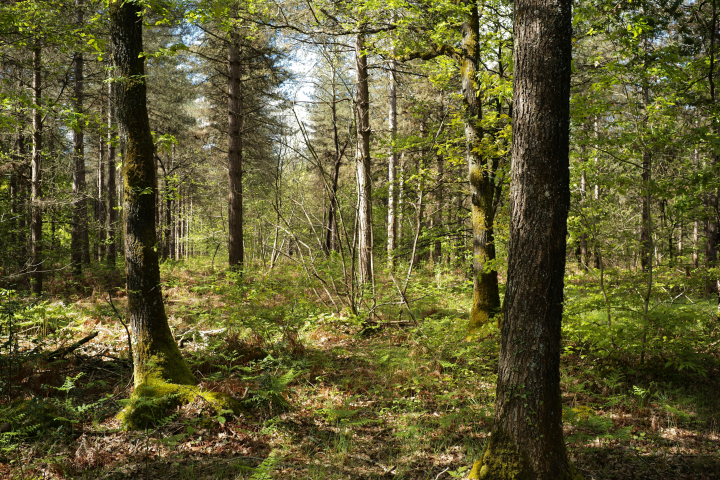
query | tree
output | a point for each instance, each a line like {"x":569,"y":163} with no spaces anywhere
{"x":36,"y":212}
{"x":156,"y":356}
{"x":235,"y":126}
{"x":527,"y":437}
{"x":80,"y":245}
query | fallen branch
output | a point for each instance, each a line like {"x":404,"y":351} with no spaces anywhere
{"x":61,"y":352}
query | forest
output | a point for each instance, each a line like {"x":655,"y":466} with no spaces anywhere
{"x":360,"y":239}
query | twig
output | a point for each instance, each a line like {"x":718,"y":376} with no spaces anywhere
{"x":438,"y":475}
{"x":127,"y":331}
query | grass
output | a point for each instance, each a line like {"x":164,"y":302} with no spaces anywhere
{"x":324,"y":401}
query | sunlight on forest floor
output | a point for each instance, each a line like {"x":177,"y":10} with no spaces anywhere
{"x":324,"y":402}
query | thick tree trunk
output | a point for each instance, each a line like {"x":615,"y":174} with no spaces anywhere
{"x":486,"y":295}
{"x":36,"y":263}
{"x":110,"y":249}
{"x":362,"y":109}
{"x":79,"y":242}
{"x":392,"y":168}
{"x":156,"y":355}
{"x":527,"y":436}
{"x":235,"y":121}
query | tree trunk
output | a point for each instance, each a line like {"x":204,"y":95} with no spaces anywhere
{"x":486,"y":295}
{"x":392,"y":167}
{"x":155,"y":353}
{"x":331,"y":234}
{"x":437,"y":217}
{"x":36,"y":268}
{"x":235,"y":120}
{"x":695,"y":237}
{"x":79,"y":246}
{"x":527,"y":436}
{"x":101,"y":189}
{"x":110,"y":249}
{"x":362,"y":109}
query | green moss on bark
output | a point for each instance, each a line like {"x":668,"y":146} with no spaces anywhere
{"x":154,"y":400}
{"x":158,"y":394}
{"x":502,"y":460}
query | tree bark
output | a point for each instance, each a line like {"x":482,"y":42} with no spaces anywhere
{"x":486,"y":295}
{"x":155,"y":353}
{"x":36,"y":268}
{"x":527,"y":437}
{"x":235,"y":120}
{"x":392,"y":167}
{"x":101,"y":189}
{"x":79,"y":245}
{"x":331,"y":233}
{"x":362,"y":109}
{"x":110,"y":249}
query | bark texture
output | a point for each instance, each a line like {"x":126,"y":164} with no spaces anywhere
{"x":481,"y":171}
{"x":36,"y":267}
{"x":156,"y":355}
{"x":527,"y":437}
{"x":235,"y":200}
{"x":392,"y":167}
{"x":110,"y":249}
{"x":362,"y":112}
{"x":79,"y":242}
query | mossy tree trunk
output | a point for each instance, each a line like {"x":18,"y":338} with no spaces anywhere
{"x":156,"y":355}
{"x":481,"y":174}
{"x":527,"y":437}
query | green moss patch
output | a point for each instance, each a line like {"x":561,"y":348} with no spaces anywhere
{"x":152,"y":402}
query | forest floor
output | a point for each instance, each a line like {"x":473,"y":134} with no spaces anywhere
{"x":326,"y":398}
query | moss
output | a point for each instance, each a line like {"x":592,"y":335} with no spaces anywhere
{"x":155,"y":399}
{"x":479,"y":317}
{"x":159,"y":392}
{"x":502,"y":460}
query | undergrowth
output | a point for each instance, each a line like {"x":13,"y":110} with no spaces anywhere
{"x":324,"y":396}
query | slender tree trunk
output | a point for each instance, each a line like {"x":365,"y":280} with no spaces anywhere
{"x":645,"y":240}
{"x":486,"y":295}
{"x":101,"y":192}
{"x":695,"y":237}
{"x":420,"y":209}
{"x":711,"y":201}
{"x":392,"y":167}
{"x":110,"y":248}
{"x":22,"y":209}
{"x":331,"y":234}
{"x":156,"y":355}
{"x":400,"y":199}
{"x":584,"y":260}
{"x":79,"y":241}
{"x":235,"y":120}
{"x":36,"y":269}
{"x":362,"y":109}
{"x":438,"y":216}
{"x":527,"y":437}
